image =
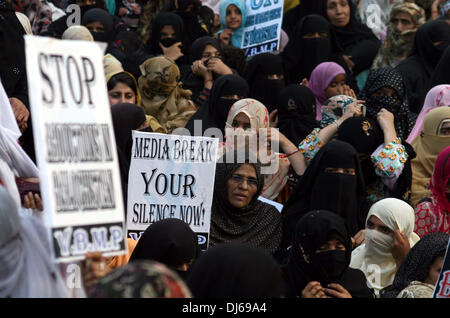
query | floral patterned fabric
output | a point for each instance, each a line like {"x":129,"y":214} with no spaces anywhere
{"x":430,"y":218}
{"x":141,"y":279}
{"x":389,"y":162}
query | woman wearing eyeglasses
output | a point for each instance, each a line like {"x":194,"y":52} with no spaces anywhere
{"x":237,"y":215}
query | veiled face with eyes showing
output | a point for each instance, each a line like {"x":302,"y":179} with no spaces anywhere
{"x":374,"y":223}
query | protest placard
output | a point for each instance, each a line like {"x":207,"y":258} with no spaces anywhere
{"x":75,"y":148}
{"x":442,"y":288}
{"x":171,"y":176}
{"x":263,"y":26}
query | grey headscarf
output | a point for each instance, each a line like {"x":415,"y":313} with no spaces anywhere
{"x":26,"y":269}
{"x":258,"y":224}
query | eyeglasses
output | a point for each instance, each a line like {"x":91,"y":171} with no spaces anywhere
{"x":251,"y":182}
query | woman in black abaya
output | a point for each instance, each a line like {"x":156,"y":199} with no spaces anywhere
{"x":265,"y":77}
{"x":333,"y":181}
{"x":227,"y":89}
{"x":430,"y":42}
{"x":312,"y":42}
{"x":157,"y":39}
{"x":358,"y":41}
{"x":292,"y":16}
{"x":296,"y":116}
{"x":320,"y":255}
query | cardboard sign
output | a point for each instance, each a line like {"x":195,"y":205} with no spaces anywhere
{"x":442,"y":288}
{"x":171,"y":176}
{"x":263,"y":26}
{"x":75,"y":148}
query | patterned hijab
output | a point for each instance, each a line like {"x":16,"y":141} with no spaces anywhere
{"x":259,"y":118}
{"x":416,"y":265}
{"x":162,"y":95}
{"x":397,"y":104}
{"x":334,"y":108}
{"x":398,"y":45}
{"x":141,"y":279}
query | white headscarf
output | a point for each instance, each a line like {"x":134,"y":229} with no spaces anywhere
{"x":78,"y":32}
{"x":26,"y":269}
{"x":10,"y":150}
{"x":375,"y":254}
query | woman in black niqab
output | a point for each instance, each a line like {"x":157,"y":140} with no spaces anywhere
{"x":292,"y":16}
{"x":265,"y":77}
{"x":152,"y":48}
{"x":305,"y":264}
{"x":296,"y":116}
{"x":396,"y":104}
{"x":191,"y":81}
{"x":322,"y":188}
{"x":430,"y":42}
{"x":214,"y":112}
{"x":304,"y":52}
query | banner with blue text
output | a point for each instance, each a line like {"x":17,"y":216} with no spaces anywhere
{"x":263,"y":26}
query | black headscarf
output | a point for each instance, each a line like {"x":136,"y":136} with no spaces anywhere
{"x":296,"y":116}
{"x":426,"y":35}
{"x":292,"y":16}
{"x":416,"y":265}
{"x":356,"y":39}
{"x":441,"y":74}
{"x":193,"y":29}
{"x":104,"y":18}
{"x":301,"y":56}
{"x":258,"y":224}
{"x":397,"y":105}
{"x":161,"y":20}
{"x":316,"y":190}
{"x":354,"y":31}
{"x":125,"y":117}
{"x":305,"y":265}
{"x":263,"y":89}
{"x":13,"y":75}
{"x":190,"y":81}
{"x":214,"y":112}
{"x":365,"y":135}
{"x":151,"y":48}
{"x":236,"y":271}
{"x":12,"y":54}
{"x":170,"y":241}
{"x":417,"y":69}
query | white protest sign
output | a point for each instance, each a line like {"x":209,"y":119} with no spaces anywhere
{"x":263,"y":26}
{"x":75,"y":148}
{"x":171,"y":176}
